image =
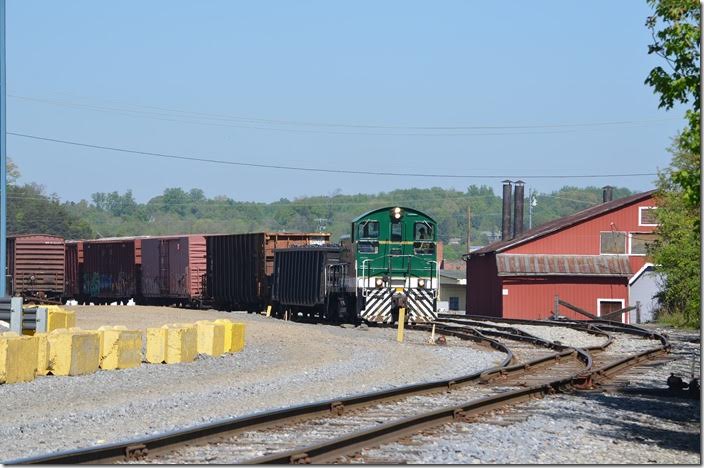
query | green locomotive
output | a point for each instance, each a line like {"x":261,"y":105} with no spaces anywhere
{"x":388,"y":261}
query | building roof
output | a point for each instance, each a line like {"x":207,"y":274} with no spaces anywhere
{"x":564,"y":222}
{"x":456,"y":274}
{"x":562,"y":265}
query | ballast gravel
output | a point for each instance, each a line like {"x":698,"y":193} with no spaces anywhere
{"x":637,"y":420}
{"x":283,"y":364}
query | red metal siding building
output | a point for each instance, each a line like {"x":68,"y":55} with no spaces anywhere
{"x":586,"y":259}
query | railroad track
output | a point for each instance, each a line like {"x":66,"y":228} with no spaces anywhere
{"x":331,"y":429}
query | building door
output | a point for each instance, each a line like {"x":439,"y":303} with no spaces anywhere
{"x":606,"y":306}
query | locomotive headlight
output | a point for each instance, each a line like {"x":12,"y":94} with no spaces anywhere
{"x":421,"y":283}
{"x":379,"y":282}
{"x":396,"y":213}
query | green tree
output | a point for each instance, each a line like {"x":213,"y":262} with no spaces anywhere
{"x":676,"y":38}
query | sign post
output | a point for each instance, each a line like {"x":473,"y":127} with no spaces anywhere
{"x":3,"y":157}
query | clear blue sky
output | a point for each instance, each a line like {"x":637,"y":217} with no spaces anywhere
{"x":192,"y":78}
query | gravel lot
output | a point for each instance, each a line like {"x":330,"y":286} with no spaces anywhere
{"x":636,"y":422}
{"x":283,"y":364}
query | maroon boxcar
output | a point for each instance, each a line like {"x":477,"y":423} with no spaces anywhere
{"x":73,"y":268}
{"x":111,"y":268}
{"x":173,"y":268}
{"x":35,"y":265}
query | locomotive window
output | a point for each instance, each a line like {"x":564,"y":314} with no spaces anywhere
{"x":423,"y":231}
{"x":396,"y":231}
{"x":367,"y":247}
{"x":369,"y":230}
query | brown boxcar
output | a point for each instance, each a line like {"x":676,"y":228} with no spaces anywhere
{"x":173,"y":268}
{"x":73,"y":268}
{"x":35,"y":265}
{"x":240,"y":266}
{"x":111,"y":268}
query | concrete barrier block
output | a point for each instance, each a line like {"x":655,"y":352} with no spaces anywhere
{"x":120,"y":348}
{"x":18,"y":358}
{"x":211,"y":338}
{"x":42,"y":353}
{"x":58,"y":318}
{"x":181,"y":343}
{"x":156,"y":345}
{"x":74,"y":351}
{"x":234,"y":335}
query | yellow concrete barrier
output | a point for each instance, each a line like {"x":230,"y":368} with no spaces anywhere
{"x":211,"y":338}
{"x":181,"y":343}
{"x":156,"y":345}
{"x":42,"y":353}
{"x":172,"y":343}
{"x":234,"y":335}
{"x":58,"y":318}
{"x":18,"y":358}
{"x":120,"y":348}
{"x":74,"y":351}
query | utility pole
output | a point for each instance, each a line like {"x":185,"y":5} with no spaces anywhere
{"x":531,"y":203}
{"x":469,"y":227}
{"x":3,"y":157}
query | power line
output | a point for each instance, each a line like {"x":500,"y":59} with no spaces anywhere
{"x":167,"y":114}
{"x":319,"y":170}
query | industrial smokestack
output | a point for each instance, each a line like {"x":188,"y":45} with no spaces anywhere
{"x":506,"y":212}
{"x":518,"y":208}
{"x":608,"y":193}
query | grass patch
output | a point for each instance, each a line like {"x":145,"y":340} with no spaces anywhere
{"x":679,"y":320}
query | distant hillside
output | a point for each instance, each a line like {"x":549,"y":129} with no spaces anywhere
{"x":31,"y":210}
{"x":178,"y":211}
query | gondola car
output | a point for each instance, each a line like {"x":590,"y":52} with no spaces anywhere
{"x":388,"y":261}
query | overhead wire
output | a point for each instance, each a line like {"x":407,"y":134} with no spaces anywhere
{"x":322,"y":170}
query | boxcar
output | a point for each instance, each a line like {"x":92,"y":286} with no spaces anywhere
{"x":73,"y":268}
{"x":35,"y":265}
{"x":240,"y":266}
{"x":111,"y":268}
{"x":173,"y":268}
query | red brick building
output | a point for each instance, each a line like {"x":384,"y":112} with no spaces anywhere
{"x":586,"y":259}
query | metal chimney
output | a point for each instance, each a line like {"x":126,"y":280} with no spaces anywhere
{"x":506,"y":212}
{"x":518,"y":208}
{"x":608,"y":193}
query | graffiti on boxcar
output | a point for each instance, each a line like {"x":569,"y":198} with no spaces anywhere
{"x":96,"y":283}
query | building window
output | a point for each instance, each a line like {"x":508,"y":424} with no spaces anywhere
{"x":454,"y":303}
{"x":640,"y":242}
{"x":613,"y":243}
{"x":646,"y":216}
{"x":607,"y":306}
